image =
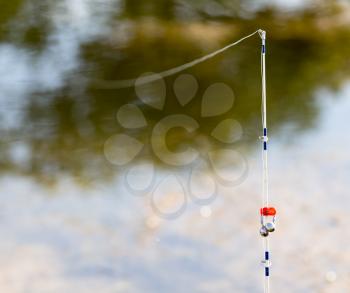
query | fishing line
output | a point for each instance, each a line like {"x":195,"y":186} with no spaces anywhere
{"x":126,"y":83}
{"x":267,"y":214}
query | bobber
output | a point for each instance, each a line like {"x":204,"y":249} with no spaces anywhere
{"x":264,"y":232}
{"x":270,"y":226}
{"x":266,"y":225}
{"x":268,"y":211}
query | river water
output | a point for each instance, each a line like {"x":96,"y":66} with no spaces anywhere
{"x":89,"y":202}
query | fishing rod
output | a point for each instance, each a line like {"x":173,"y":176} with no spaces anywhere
{"x":267,"y":213}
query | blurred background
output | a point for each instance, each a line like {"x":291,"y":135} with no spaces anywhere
{"x":71,"y":221}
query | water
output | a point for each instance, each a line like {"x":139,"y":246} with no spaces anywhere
{"x":74,"y":218}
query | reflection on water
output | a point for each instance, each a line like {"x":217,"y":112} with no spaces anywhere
{"x":53,"y":111}
{"x":57,"y":123}
{"x":102,"y":238}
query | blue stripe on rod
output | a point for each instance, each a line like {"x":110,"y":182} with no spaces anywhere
{"x":267,"y":272}
{"x":263,"y":48}
{"x":265,"y":145}
{"x":265,"y":131}
{"x":266,"y":255}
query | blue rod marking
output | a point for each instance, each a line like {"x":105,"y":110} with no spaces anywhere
{"x":263,"y":49}
{"x":265,"y":145}
{"x":265,"y":131}
{"x":267,"y":272}
{"x":266,"y":255}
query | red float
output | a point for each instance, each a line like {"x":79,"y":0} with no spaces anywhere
{"x":268,"y":211}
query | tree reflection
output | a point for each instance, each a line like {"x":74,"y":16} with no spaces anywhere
{"x":65,"y":129}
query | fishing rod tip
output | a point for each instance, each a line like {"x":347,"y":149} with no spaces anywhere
{"x":262,"y":34}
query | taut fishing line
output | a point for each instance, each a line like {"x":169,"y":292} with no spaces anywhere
{"x":267,"y":214}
